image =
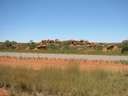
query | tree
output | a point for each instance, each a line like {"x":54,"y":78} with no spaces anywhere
{"x":7,"y":43}
{"x":32,"y":44}
{"x":13,"y":42}
{"x":124,"y":46}
{"x":125,"y":43}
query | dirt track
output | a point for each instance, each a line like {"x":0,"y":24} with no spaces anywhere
{"x":66,"y":56}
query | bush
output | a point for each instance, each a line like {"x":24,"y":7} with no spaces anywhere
{"x":53,"y":46}
{"x":125,"y":43}
{"x":124,"y":46}
{"x":9,"y":44}
{"x":32,"y":44}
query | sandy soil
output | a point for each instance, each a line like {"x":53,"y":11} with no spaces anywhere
{"x":37,"y":63}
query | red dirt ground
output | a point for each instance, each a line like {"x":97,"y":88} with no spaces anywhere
{"x":3,"y":92}
{"x":37,"y":63}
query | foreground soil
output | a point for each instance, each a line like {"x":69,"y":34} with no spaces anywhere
{"x":37,"y":63}
{"x":3,"y":92}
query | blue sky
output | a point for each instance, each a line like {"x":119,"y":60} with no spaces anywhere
{"x":95,"y":20}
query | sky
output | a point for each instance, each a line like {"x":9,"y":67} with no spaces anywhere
{"x":94,"y":20}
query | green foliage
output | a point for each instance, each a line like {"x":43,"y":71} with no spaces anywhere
{"x":8,"y":43}
{"x":13,"y":42}
{"x":53,"y":47}
{"x":124,"y":43}
{"x":124,"y":46}
{"x":32,"y":44}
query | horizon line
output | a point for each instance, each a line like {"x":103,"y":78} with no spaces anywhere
{"x":27,"y":41}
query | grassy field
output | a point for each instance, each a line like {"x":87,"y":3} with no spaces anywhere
{"x":68,"y":82}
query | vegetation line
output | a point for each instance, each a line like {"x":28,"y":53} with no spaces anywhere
{"x":67,"y":47}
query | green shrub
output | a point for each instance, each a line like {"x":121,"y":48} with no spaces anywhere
{"x":32,"y":44}
{"x":124,"y":46}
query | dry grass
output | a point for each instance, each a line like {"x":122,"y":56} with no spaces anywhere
{"x":69,"y":82}
{"x":61,"y":77}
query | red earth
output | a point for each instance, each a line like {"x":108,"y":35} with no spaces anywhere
{"x":37,"y":63}
{"x":3,"y":92}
